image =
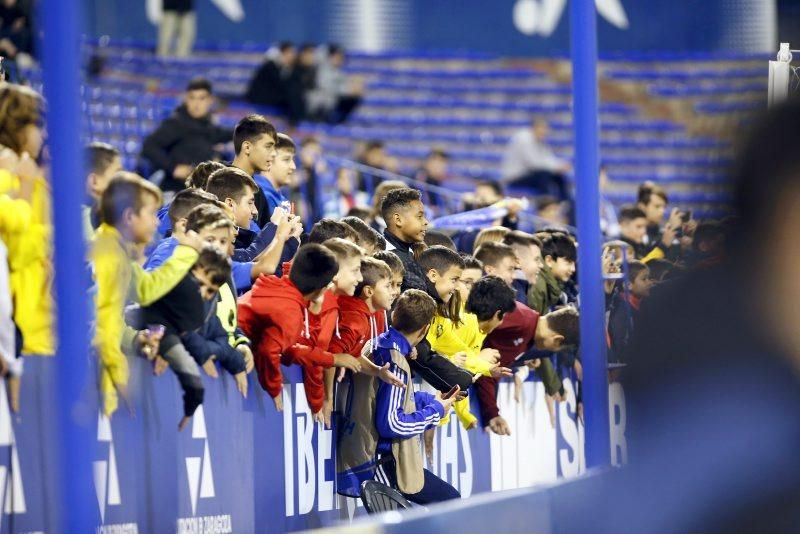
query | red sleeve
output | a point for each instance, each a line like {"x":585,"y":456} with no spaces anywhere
{"x":307,"y":356}
{"x":314,"y":384}
{"x":349,"y":337}
{"x":486,"y":388}
{"x":271,"y":343}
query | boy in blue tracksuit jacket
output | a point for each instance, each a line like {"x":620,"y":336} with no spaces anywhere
{"x":402,"y":414}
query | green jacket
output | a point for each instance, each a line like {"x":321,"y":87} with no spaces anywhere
{"x":545,"y":293}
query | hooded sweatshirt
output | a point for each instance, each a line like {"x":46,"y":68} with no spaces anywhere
{"x":274,"y":315}
{"x":357,"y":326}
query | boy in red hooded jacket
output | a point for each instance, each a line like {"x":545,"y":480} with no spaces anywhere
{"x":274,"y":314}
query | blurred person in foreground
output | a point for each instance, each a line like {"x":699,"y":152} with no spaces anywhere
{"x":713,"y":440}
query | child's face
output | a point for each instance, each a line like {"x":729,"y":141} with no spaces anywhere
{"x":489,"y":326}
{"x":562,"y":268}
{"x":245,"y":210}
{"x":261,"y":152}
{"x":349,"y":276}
{"x":634,"y":229}
{"x":467,"y":280}
{"x":504,"y":269}
{"x":397,"y":283}
{"x":382,"y":295}
{"x":219,"y":238}
{"x":208,"y":289}
{"x":283,"y":168}
{"x":411,"y":222}
{"x":99,"y":181}
{"x":654,"y":211}
{"x":446,"y":283}
{"x":143,"y":225}
{"x":530,"y":261}
{"x":640,"y":286}
{"x":344,"y":181}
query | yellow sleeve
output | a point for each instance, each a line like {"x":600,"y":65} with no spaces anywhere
{"x":447,"y":341}
{"x":655,"y":254}
{"x":8,"y":181}
{"x":15,"y":215}
{"x":109,"y":331}
{"x":152,"y":285}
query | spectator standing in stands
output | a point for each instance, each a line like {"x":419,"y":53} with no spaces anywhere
{"x":376,"y":218}
{"x":609,"y":222}
{"x":189,"y":136}
{"x":335,"y":96}
{"x":102,"y":162}
{"x":301,"y":81}
{"x":269,"y":86}
{"x":624,"y":309}
{"x":254,"y":140}
{"x":339,"y":203}
{"x":529,"y":162}
{"x":313,"y":169}
{"x":652,"y":200}
{"x":178,"y":19}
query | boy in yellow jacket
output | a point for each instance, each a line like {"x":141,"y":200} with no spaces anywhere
{"x":128,"y":213}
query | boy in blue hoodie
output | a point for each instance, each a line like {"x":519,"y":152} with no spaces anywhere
{"x":402,"y":414}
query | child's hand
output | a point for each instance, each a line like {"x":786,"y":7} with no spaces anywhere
{"x":534,"y":364}
{"x":460,"y":358}
{"x":241,"y":383}
{"x":148,"y":342}
{"x":184,"y":421}
{"x":318,"y":417}
{"x":249,"y":362}
{"x":159,"y":366}
{"x":278,"y":216}
{"x":578,"y":370}
{"x":347,"y":361}
{"x":387,"y":376}
{"x":490,"y":355}
{"x":122,"y":391}
{"x":551,"y":409}
{"x":519,"y":394}
{"x":327,"y":411}
{"x":297,"y":227}
{"x":499,"y":372}
{"x":278,"y":402}
{"x":210,"y":368}
{"x":13,"y":385}
{"x":447,"y":403}
{"x":499,"y":426}
{"x":190,"y":239}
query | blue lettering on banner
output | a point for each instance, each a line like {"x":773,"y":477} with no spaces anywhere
{"x":240,"y":466}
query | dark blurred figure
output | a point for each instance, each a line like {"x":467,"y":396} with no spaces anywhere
{"x":713,"y":394}
{"x":529,"y":162}
{"x":269,"y":86}
{"x":434,"y":172}
{"x":187,"y":137}
{"x":301,"y":81}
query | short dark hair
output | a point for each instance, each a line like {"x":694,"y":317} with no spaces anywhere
{"x":359,"y":212}
{"x":99,"y":156}
{"x":435,"y":237}
{"x":381,"y":244}
{"x":471,"y":262}
{"x":327,"y":228}
{"x":207,"y":215}
{"x":313,"y":268}
{"x":251,"y":128}
{"x":284,"y":142}
{"x":398,"y":199}
{"x":439,"y":258}
{"x":490,"y":295}
{"x":372,"y":271}
{"x":392,"y":260}
{"x":199,"y":84}
{"x":522,"y":239}
{"x":230,"y":182}
{"x":565,"y":321}
{"x":367,"y":236}
{"x":372,"y":144}
{"x":198,"y":178}
{"x":545,"y":201}
{"x":283,"y":46}
{"x":437,"y":153}
{"x":126,"y":190}
{"x":413,"y":310}
{"x":635,"y":268}
{"x":496,"y":186}
{"x":629,"y":213}
{"x":186,"y":200}
{"x":215,"y":263}
{"x":309,"y":140}
{"x":491,"y":254}
{"x":648,"y":190}
{"x":559,"y":245}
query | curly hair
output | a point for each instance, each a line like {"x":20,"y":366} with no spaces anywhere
{"x":19,"y":106}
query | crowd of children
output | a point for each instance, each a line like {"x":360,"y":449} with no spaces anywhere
{"x":392,"y":323}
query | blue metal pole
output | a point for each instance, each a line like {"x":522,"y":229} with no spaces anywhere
{"x":60,"y":23}
{"x":583,"y":36}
